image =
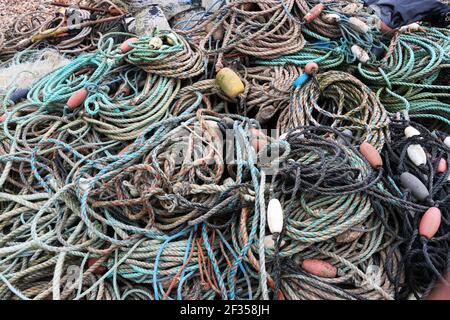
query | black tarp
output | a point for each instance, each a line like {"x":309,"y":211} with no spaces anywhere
{"x":397,"y":13}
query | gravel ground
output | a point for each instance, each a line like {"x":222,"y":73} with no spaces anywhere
{"x":12,"y":9}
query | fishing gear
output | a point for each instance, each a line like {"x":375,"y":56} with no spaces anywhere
{"x":248,"y":150}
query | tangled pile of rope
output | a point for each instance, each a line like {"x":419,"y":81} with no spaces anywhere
{"x":71,"y":31}
{"x":259,"y":149}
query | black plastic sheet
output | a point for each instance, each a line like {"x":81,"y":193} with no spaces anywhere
{"x":397,"y":13}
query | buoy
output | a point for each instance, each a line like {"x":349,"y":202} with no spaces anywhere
{"x":447,"y":141}
{"x":275,"y":216}
{"x":156,"y":43}
{"x":442,"y":166}
{"x":416,"y":154}
{"x":171,"y":39}
{"x":301,"y":80}
{"x":77,"y":99}
{"x":348,"y":135}
{"x":230,"y":82}
{"x":314,"y":13}
{"x":83,"y":184}
{"x":371,"y":154}
{"x":311,"y":68}
{"x":415,"y":151}
{"x":99,"y":270}
{"x":360,"y":54}
{"x":413,"y":184}
{"x":319,"y":268}
{"x":125,"y":46}
{"x":358,"y":25}
{"x":413,"y":27}
{"x":19,"y":94}
{"x":270,"y":244}
{"x":430,"y":222}
{"x":259,"y":139}
{"x":411,"y":132}
{"x":331,"y":18}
